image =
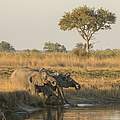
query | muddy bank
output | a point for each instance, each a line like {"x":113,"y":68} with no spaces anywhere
{"x":93,"y":96}
{"x":22,"y":100}
{"x":12,"y":100}
{"x":20,"y":105}
{"x":93,"y":92}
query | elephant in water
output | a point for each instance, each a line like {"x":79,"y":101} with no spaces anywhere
{"x":35,"y":82}
{"x":20,"y":77}
{"x":62,"y":81}
{"x":45,"y":81}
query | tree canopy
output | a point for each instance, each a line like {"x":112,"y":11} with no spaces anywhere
{"x":54,"y":47}
{"x":5,"y":46}
{"x":87,"y":21}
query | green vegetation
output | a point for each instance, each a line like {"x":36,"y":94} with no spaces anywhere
{"x":105,"y":74}
{"x":54,"y":47}
{"x":5,"y":72}
{"x":87,"y":21}
{"x":98,"y":74}
{"x":80,"y":49}
{"x":5,"y":46}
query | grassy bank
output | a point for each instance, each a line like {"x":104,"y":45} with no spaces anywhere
{"x":94,"y":83}
{"x":35,"y":59}
{"x":13,"y":102}
{"x":99,"y":77}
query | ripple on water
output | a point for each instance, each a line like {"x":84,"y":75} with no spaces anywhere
{"x":92,"y":114}
{"x":83,"y":112}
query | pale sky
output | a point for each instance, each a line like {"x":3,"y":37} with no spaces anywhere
{"x":28,"y":24}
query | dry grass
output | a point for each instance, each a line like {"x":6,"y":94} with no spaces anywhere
{"x":97,"y":76}
{"x":57,"y":60}
{"x":90,"y":87}
{"x":8,"y":86}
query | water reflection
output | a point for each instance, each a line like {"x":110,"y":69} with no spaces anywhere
{"x":90,"y":113}
{"x":49,"y":114}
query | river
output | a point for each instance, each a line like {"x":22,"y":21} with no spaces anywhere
{"x":109,"y":112}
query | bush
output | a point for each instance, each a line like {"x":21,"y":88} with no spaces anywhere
{"x":79,"y":52}
{"x":104,"y":53}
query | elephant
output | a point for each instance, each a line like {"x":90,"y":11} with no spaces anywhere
{"x":43,"y":80}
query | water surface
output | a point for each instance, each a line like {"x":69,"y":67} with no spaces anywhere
{"x":79,"y":113}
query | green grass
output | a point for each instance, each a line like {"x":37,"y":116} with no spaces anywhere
{"x":100,"y":74}
{"x":102,"y":86}
{"x":5,"y":72}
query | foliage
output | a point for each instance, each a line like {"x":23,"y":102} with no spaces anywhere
{"x":35,"y":50}
{"x":87,"y":21}
{"x":5,"y":46}
{"x":105,"y":53}
{"x":54,"y":47}
{"x":80,"y":49}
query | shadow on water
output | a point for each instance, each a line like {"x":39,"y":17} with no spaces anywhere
{"x":108,"y":112}
{"x":82,"y":113}
{"x":49,"y":114}
{"x":45,"y":114}
{"x":15,"y":104}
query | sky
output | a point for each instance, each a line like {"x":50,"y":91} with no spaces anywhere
{"x":28,"y":24}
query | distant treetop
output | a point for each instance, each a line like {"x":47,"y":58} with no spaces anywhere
{"x":6,"y":47}
{"x":53,"y":47}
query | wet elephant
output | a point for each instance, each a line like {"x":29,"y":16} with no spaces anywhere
{"x":35,"y":81}
{"x":62,"y":81}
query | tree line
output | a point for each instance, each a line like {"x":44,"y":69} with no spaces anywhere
{"x":78,"y":50}
{"x":85,"y":20}
{"x":6,"y":47}
{"x":48,"y":47}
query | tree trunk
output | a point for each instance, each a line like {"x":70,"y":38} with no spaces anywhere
{"x":87,"y":47}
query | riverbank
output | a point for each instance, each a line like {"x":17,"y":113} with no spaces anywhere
{"x":98,"y":86}
{"x":21,"y":101}
{"x":21,"y":104}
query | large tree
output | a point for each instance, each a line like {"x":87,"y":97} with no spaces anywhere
{"x":87,"y":21}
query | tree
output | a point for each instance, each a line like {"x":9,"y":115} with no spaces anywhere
{"x":79,"y":49}
{"x":5,"y":46}
{"x":83,"y":46}
{"x":87,"y":21}
{"x":54,"y":47}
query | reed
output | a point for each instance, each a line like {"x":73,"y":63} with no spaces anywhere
{"x":99,"y":77}
{"x":58,"y":60}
